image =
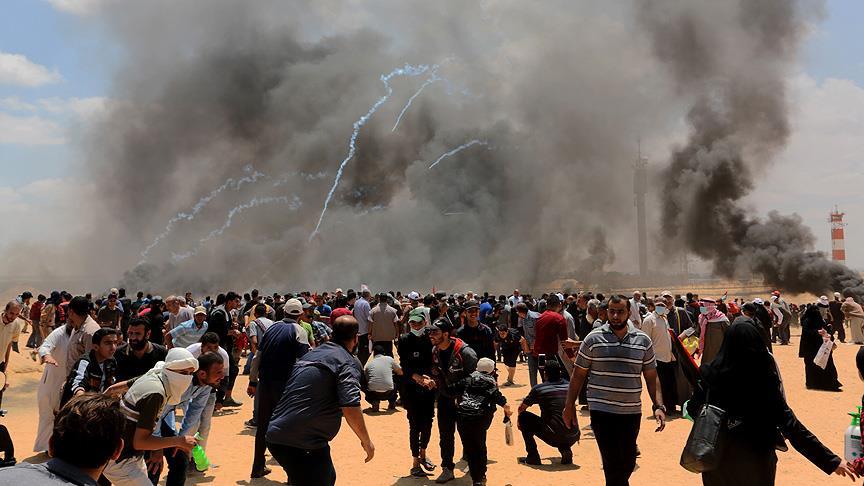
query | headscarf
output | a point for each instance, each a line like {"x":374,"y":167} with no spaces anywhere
{"x":743,"y":375}
{"x":163,"y":379}
{"x":713,"y":315}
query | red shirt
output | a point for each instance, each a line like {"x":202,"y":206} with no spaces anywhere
{"x":550,"y":329}
{"x":337,"y":313}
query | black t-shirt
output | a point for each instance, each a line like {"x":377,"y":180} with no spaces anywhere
{"x":130,"y":366}
{"x":509,"y":344}
{"x":148,"y":407}
{"x":415,"y":355}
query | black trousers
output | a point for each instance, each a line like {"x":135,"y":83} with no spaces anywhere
{"x":178,"y":461}
{"x":841,"y":331}
{"x":472,"y":430}
{"x":616,"y":437}
{"x":420,"y":405}
{"x":447,"y":430}
{"x":533,"y":426}
{"x":305,"y":467}
{"x":374,"y":398}
{"x":6,"y":445}
{"x":363,"y":349}
{"x":267,"y":395}
{"x":668,"y":384}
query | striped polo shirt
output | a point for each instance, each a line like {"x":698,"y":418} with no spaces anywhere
{"x":615,"y":368}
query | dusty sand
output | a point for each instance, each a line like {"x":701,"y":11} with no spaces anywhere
{"x":230,"y":445}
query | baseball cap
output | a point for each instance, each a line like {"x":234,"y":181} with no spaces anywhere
{"x":413,"y":295}
{"x":416,"y":315}
{"x":666,"y":293}
{"x":758,"y":301}
{"x":200,"y":310}
{"x":471,"y":304}
{"x":308,"y":306}
{"x":442,"y":325}
{"x":486,"y":365}
{"x":293,"y":307}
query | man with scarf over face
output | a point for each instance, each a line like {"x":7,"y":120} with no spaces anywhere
{"x":712,"y":328}
{"x":142,"y":404}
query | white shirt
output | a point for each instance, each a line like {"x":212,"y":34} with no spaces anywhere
{"x":195,"y":349}
{"x":657,"y":328}
{"x":635,"y":317}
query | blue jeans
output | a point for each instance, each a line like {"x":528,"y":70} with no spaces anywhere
{"x":532,"y":369}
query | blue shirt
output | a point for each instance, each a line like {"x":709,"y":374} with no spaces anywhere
{"x":187,"y":333}
{"x":363,"y":314}
{"x":309,"y":413}
{"x":485,"y":308}
{"x":324,"y":310}
{"x":193,"y":402}
{"x":55,"y":471}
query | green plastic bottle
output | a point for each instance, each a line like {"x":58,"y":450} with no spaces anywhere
{"x":199,"y":456}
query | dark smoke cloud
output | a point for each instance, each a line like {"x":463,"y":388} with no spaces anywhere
{"x":559,"y":90}
{"x":731,"y":60}
{"x":224,"y":84}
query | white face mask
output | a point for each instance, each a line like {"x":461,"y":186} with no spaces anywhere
{"x":176,"y":386}
{"x":660,"y":310}
{"x":418,"y":332}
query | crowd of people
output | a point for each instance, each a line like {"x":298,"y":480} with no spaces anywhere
{"x":117,"y":371}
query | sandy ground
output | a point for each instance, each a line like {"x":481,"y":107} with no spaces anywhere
{"x":231,"y":445}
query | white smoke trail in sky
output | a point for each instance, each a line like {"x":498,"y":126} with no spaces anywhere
{"x":407,"y":70}
{"x":431,"y":79}
{"x":457,"y":150}
{"x":253,"y":175}
{"x":294,"y":204}
{"x":306,"y":176}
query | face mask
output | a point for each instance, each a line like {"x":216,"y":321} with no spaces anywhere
{"x":703,"y":309}
{"x":418,"y":332}
{"x":660,"y":310}
{"x":176,"y":386}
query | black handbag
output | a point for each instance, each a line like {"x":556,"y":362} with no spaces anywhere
{"x":704,"y":446}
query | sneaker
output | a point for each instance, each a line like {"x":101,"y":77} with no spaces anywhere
{"x":566,"y":458}
{"x":446,"y":475}
{"x":427,"y":464}
{"x":261,"y":473}
{"x":230,"y":402}
{"x":251,"y":423}
{"x":392,"y":406}
{"x":418,"y":472}
{"x":531,"y":459}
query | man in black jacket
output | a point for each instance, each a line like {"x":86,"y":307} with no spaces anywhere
{"x":94,"y":372}
{"x":476,"y":334}
{"x":418,"y":392}
{"x":222,"y":324}
{"x":452,"y":360}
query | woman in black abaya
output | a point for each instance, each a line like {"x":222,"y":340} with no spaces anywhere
{"x":813,"y":327}
{"x":743,"y":380}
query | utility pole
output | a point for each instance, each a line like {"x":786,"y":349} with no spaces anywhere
{"x":640,"y":183}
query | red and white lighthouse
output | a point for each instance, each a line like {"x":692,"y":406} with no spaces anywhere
{"x":838,"y":246}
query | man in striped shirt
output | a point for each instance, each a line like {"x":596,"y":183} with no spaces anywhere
{"x":616,"y":354}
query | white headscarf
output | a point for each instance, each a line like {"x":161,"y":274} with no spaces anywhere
{"x":164,"y":379}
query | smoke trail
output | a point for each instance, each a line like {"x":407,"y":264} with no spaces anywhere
{"x":407,"y":70}
{"x":457,"y":150}
{"x":738,"y":121}
{"x":235,"y":185}
{"x":294,"y":204}
{"x":431,"y":79}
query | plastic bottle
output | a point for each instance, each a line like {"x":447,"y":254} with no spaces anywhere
{"x":202,"y":463}
{"x":852,"y":441}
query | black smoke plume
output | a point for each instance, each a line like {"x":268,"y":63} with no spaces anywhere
{"x":731,"y":59}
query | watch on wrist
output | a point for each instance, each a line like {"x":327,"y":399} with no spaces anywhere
{"x":659,"y":407}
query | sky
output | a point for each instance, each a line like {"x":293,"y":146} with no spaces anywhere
{"x":56,"y":65}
